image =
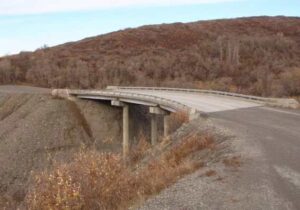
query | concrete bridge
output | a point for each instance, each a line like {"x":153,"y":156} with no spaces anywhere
{"x":267,"y":138}
{"x":163,"y":101}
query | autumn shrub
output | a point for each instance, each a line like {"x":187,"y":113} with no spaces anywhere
{"x":96,"y":180}
{"x":174,"y":163}
{"x":290,"y":82}
{"x":138,"y":151}
{"x":221,"y":84}
{"x":92,"y":181}
{"x":241,"y":55}
{"x":177,"y":119}
{"x":7,"y":203}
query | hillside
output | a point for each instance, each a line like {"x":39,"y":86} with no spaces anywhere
{"x":37,"y":130}
{"x":257,"y":55}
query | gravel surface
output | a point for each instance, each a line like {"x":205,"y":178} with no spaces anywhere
{"x":36,"y":130}
{"x":265,"y":141}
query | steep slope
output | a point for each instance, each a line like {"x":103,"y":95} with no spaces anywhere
{"x":258,"y":55}
{"x":37,"y":130}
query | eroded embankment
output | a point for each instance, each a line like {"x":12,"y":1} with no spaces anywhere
{"x":95,"y":180}
{"x":37,"y":130}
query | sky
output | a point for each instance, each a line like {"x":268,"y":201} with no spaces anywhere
{"x":26,"y":25}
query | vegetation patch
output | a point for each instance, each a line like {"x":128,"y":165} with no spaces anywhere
{"x":95,"y":180}
{"x":210,"y":173}
{"x":177,"y":119}
{"x":233,"y":162}
{"x":258,"y":56}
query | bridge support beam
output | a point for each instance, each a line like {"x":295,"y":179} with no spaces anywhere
{"x":155,"y":111}
{"x":125,"y":126}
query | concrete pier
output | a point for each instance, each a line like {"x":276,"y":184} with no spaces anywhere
{"x":154,"y":131}
{"x":155,"y":111}
{"x":125,"y":131}
{"x":166,"y":125}
{"x":125,"y":107}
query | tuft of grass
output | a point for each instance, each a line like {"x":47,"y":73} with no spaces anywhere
{"x":233,"y":162}
{"x":210,"y":173}
{"x":96,"y":180}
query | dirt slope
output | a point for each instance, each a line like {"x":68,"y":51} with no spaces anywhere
{"x":36,"y":130}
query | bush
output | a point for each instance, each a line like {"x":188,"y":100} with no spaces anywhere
{"x":92,"y":181}
{"x":290,"y":82}
{"x":102,"y":181}
{"x":177,"y":119}
{"x":242,"y":55}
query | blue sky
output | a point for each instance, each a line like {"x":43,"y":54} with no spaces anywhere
{"x":25,"y":27}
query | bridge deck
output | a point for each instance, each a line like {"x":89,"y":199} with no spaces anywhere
{"x":202,"y":102}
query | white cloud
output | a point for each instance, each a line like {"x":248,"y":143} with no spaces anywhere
{"x":45,"y":6}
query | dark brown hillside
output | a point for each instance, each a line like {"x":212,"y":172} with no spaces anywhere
{"x":258,"y":55}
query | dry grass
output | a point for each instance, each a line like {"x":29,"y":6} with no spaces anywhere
{"x":101,"y":180}
{"x":210,"y":173}
{"x":7,"y":203}
{"x":177,"y":119}
{"x":139,"y":151}
{"x":91,"y":181}
{"x":234,"y":162}
{"x":231,"y":55}
{"x":298,"y":99}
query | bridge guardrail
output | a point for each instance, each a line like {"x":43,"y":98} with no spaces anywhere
{"x":282,"y":102}
{"x":168,"y":103}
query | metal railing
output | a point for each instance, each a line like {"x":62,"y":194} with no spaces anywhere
{"x":163,"y":102}
{"x":256,"y":98}
{"x":118,"y":92}
{"x":282,"y":102}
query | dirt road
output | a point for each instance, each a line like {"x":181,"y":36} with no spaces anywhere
{"x":268,"y":141}
{"x":22,"y":89}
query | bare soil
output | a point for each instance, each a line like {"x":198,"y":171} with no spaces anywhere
{"x":37,"y":130}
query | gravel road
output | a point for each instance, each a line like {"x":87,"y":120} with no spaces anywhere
{"x":268,"y":141}
{"x":23,"y":89}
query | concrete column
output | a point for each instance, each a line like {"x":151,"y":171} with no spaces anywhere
{"x":155,"y":111}
{"x":125,"y":131}
{"x":125,"y":126}
{"x":166,"y":125}
{"x":154,"y":129}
